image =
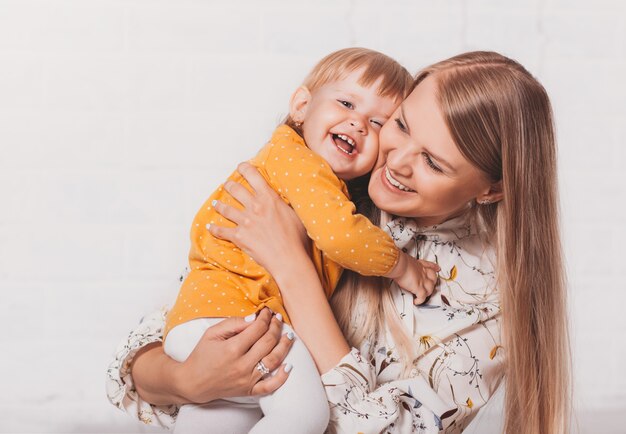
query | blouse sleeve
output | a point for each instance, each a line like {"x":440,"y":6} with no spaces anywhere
{"x":357,"y":404}
{"x":119,"y":383}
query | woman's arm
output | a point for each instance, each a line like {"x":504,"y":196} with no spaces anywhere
{"x":269,"y":231}
{"x":222,"y":365}
{"x":153,"y":376}
{"x":146,"y":383}
{"x":310,"y":312}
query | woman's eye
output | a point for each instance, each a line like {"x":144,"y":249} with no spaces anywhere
{"x":431,"y":163}
{"x":377,"y":123}
{"x":346,"y":104}
{"x":400,"y":124}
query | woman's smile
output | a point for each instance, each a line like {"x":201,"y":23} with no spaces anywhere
{"x":394,"y":182}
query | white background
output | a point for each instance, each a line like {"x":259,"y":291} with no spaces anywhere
{"x":118,"y":118}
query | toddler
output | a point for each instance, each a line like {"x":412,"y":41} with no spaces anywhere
{"x":330,"y":136}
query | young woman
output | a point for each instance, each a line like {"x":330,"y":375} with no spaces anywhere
{"x":466,"y":178}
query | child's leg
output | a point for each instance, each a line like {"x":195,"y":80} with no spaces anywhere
{"x":216,"y":417}
{"x":182,"y":339}
{"x":219,"y":416}
{"x":299,"y":405}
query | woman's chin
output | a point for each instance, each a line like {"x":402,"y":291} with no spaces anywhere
{"x":387,"y":203}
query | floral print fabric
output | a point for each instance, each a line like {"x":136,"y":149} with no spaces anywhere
{"x":119,"y":383}
{"x":456,"y":333}
{"x":457,"y":336}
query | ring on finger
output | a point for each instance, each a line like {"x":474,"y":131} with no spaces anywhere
{"x":262,"y":368}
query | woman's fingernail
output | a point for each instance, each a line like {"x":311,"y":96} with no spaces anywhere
{"x":279,"y":317}
{"x":250,"y":317}
{"x":288,"y":367}
{"x":213,"y":202}
{"x":290,"y":336}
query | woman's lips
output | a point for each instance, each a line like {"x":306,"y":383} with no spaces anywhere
{"x":400,"y":189}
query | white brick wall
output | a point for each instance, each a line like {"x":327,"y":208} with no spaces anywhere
{"x":118,"y":118}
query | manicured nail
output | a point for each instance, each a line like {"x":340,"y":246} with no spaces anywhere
{"x":290,"y":336}
{"x":288,"y":367}
{"x":213,"y":202}
{"x":279,"y":317}
{"x":250,"y":317}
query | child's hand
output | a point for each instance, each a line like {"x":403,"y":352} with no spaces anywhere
{"x":417,"y":276}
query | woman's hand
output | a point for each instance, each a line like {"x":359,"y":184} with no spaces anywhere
{"x":222,"y":365}
{"x":271,"y":232}
{"x":267,"y":228}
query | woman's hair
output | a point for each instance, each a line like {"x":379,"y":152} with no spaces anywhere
{"x":501,"y":121}
{"x":396,"y":81}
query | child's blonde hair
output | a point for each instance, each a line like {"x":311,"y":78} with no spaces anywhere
{"x":396,"y":81}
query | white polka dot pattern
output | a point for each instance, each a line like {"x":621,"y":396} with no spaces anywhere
{"x":322,"y":203}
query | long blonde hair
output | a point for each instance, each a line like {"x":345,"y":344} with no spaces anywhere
{"x":501,"y":121}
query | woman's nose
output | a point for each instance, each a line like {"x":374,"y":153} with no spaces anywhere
{"x":400,"y":158}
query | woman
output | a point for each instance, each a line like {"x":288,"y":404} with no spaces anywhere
{"x":467,"y":167}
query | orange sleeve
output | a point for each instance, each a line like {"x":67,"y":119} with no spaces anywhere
{"x":321,"y":201}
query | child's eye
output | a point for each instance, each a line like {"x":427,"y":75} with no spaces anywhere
{"x":400,"y":124}
{"x":377,"y":123}
{"x":346,"y":104}
{"x":431,"y":163}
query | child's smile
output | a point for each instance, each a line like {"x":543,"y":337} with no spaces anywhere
{"x":345,"y":144}
{"x":341,"y":121}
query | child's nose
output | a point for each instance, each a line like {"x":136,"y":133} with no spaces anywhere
{"x":358,"y":125}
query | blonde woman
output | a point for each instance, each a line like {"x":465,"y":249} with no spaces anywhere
{"x":466,"y":177}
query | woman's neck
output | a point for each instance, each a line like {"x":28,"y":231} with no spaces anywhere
{"x":437,"y":220}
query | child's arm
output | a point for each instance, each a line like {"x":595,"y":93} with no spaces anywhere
{"x":320,"y":200}
{"x":351,"y":240}
{"x":416,"y":276}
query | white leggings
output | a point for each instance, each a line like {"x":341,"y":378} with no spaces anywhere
{"x":298,"y":406}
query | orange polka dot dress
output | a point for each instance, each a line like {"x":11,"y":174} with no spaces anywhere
{"x":224,"y":281}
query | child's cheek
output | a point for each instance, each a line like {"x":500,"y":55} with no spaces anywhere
{"x":372,"y":152}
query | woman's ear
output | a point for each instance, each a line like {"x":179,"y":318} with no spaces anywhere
{"x":299,"y":103}
{"x":493,"y":195}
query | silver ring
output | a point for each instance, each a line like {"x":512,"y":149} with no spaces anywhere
{"x":262,"y":368}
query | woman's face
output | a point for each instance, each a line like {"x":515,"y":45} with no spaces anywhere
{"x":420,"y":172}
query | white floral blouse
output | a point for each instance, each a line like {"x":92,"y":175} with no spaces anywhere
{"x":457,"y":333}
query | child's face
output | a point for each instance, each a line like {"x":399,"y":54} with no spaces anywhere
{"x":341,"y":122}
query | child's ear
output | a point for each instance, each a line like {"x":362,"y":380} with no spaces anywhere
{"x":299,"y":103}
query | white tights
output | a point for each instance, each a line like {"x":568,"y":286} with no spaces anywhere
{"x":298,"y":406}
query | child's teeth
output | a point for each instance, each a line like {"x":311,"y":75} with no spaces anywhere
{"x":347,"y":139}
